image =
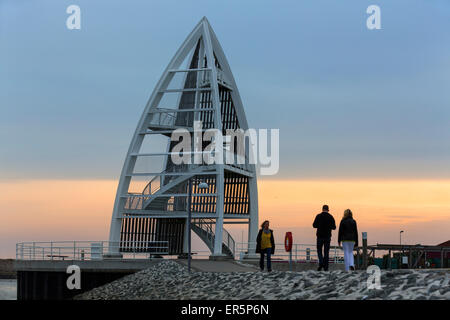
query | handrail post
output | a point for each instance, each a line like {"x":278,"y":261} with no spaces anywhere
{"x":335,"y":253}
{"x":34,"y":250}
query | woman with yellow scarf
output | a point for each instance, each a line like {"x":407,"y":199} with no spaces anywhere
{"x":265,"y":245}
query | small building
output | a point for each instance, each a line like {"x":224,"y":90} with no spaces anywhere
{"x":432,"y":259}
{"x":408,"y":256}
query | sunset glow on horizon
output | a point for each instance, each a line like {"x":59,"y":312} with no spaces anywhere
{"x":45,"y":210}
{"x":362,"y":115}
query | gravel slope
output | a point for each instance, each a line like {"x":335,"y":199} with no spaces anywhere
{"x":169,"y":280}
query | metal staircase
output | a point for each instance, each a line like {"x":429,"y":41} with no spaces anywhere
{"x":161,"y":202}
{"x":197,"y":85}
{"x":202,"y":227}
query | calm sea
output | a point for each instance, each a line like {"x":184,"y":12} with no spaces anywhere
{"x":8,"y":289}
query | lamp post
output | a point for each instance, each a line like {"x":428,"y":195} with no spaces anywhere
{"x":401,"y":237}
{"x":202,"y":185}
{"x":401,"y":251}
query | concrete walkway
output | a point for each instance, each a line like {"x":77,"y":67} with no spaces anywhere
{"x":204,"y":265}
{"x":201,"y":265}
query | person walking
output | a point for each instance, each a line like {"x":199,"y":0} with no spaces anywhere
{"x":324,"y":223}
{"x":265,"y":245}
{"x":348,"y":235}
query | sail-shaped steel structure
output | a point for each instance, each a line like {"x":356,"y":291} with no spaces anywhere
{"x":197,"y":85}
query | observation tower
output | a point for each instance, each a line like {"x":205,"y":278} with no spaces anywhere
{"x":151,"y":204}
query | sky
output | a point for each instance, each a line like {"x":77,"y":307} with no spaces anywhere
{"x":362,"y":110}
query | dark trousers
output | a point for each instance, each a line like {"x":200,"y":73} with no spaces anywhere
{"x":268,"y":253}
{"x":323,"y":257}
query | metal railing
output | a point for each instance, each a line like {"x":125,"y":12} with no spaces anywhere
{"x":206,"y":78}
{"x":164,"y":119}
{"x":206,"y":226}
{"x":88,"y":250}
{"x":135,"y":201}
{"x":139,"y":201}
{"x":95,"y":250}
{"x":157,"y":182}
{"x":301,"y":253}
{"x":229,"y":242}
{"x":153,"y":185}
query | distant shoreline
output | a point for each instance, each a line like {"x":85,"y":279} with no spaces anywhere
{"x":6,"y":269}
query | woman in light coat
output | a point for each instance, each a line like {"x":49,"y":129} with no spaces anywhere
{"x":348,"y":235}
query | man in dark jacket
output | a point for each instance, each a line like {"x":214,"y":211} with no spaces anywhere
{"x":324,"y":223}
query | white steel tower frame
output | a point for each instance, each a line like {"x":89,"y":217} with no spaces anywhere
{"x":140,"y":218}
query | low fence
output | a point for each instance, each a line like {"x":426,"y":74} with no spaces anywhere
{"x":86,"y":250}
{"x":301,"y":253}
{"x":95,"y":250}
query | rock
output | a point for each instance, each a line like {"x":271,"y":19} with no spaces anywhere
{"x":328,"y":296}
{"x":169,"y":280}
{"x":305,"y":296}
{"x":295,"y":292}
{"x":408,"y":286}
{"x":432,"y":288}
{"x":348,"y":291}
{"x":308,"y":284}
{"x":443,"y":291}
{"x":375,"y":293}
{"x":411,"y":279}
{"x":326,"y":289}
{"x":354,"y":283}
